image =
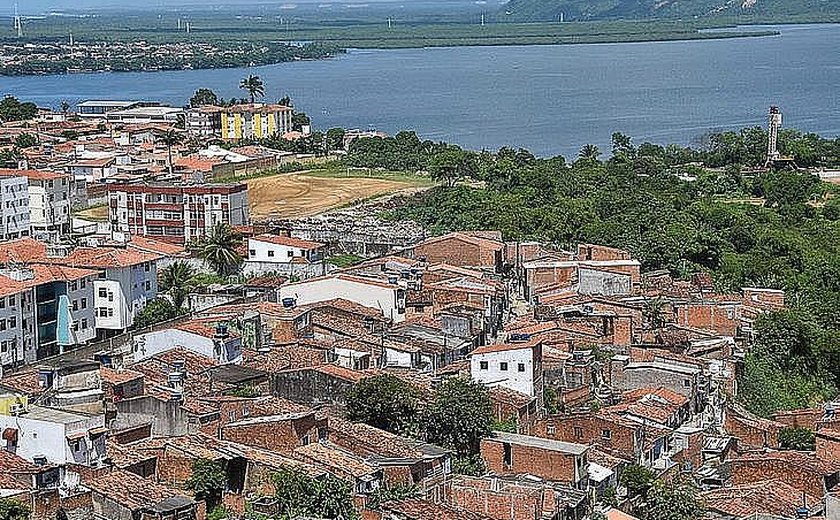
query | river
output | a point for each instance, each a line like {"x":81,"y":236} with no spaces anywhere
{"x":549,"y":99}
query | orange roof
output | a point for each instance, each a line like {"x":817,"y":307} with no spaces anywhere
{"x":204,"y":328}
{"x":38,"y":175}
{"x":288,"y":241}
{"x":771,"y":497}
{"x":53,"y":273}
{"x":105,"y":257}
{"x":504,"y":347}
{"x":24,"y":250}
{"x":662,"y":392}
{"x":118,"y":377}
{"x":201,"y":165}
{"x":155,"y":246}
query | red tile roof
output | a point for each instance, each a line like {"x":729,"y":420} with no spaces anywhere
{"x":771,"y":497}
{"x":105,"y":257}
{"x":288,"y":241}
{"x":504,"y":347}
{"x":37,"y":175}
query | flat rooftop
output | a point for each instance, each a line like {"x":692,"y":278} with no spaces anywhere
{"x":539,"y":442}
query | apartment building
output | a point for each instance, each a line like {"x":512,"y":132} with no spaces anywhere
{"x":14,"y":207}
{"x":44,"y":310}
{"x":49,"y":201}
{"x":255,"y":121}
{"x":126,"y":281}
{"x":177,"y":214}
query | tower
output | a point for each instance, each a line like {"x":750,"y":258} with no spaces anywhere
{"x":18,"y":22}
{"x":774,"y":124}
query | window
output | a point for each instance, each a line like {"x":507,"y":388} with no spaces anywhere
{"x":75,"y":305}
{"x":2,"y":324}
{"x":84,"y":303}
{"x":686,"y":383}
{"x":103,"y":293}
{"x":521,"y":367}
{"x":606,"y":434}
{"x":148,"y":285}
{"x":4,"y":347}
{"x":12,"y":301}
{"x":103,"y":312}
{"x":110,"y":313}
{"x":84,"y":323}
{"x":483,"y":365}
{"x":2,"y":303}
{"x":578,"y":432}
{"x":12,"y":322}
{"x":270,"y":254}
{"x":252,"y":252}
{"x":83,"y":283}
{"x":147,"y":267}
{"x":508,"y":455}
{"x":290,"y":253}
{"x":551,"y":429}
{"x":503,"y":366}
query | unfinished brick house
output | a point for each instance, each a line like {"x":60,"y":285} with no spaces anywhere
{"x":557,"y":461}
{"x":462,"y":249}
{"x":803,"y":471}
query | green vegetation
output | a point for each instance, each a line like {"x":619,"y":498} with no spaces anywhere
{"x":208,"y":481}
{"x":156,"y":311}
{"x":220,"y":249}
{"x":459,"y":416}
{"x":13,"y":110}
{"x":13,"y":510}
{"x":254,"y":86}
{"x":26,"y":141}
{"x":385,"y":402}
{"x":169,"y":139}
{"x":794,"y":438}
{"x":175,"y":280}
{"x":204,"y":97}
{"x":396,"y":491}
{"x":674,"y":208}
{"x":654,"y":499}
{"x":346,"y":260}
{"x":300,"y":495}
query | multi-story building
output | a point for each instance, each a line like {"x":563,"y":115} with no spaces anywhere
{"x":205,"y":121}
{"x":44,"y":310}
{"x":49,"y":201}
{"x":127,"y":280}
{"x":255,"y":121}
{"x":177,"y":214}
{"x":14,"y":207}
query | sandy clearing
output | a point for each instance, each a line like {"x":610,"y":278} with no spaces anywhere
{"x":300,"y":195}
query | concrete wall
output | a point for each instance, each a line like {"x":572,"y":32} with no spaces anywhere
{"x":168,"y":417}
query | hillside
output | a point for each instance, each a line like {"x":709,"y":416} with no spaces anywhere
{"x":583,"y":10}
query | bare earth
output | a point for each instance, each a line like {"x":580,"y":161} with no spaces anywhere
{"x":298,"y":195}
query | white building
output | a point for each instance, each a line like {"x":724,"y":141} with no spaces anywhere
{"x":213,"y":341}
{"x":128,"y":281}
{"x":14,"y":207}
{"x":49,"y":201}
{"x":517,"y":366}
{"x":284,"y":255}
{"x":54,"y":436}
{"x":388,"y":297}
{"x":146,"y":115}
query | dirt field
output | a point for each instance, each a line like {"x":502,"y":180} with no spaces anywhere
{"x":300,"y":195}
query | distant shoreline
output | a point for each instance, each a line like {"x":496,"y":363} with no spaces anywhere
{"x":466,"y":41}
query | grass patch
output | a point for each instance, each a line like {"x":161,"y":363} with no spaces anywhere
{"x":346,"y":260}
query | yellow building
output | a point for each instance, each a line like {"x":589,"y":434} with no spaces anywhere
{"x":9,"y":403}
{"x":255,"y":121}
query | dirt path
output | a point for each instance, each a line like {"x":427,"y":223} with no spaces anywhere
{"x":298,"y":195}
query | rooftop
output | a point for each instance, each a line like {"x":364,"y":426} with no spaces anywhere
{"x":541,"y":443}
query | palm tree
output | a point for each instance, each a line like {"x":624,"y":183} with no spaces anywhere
{"x":170,"y":138}
{"x":589,"y":153}
{"x":254,"y":85}
{"x":220,"y":249}
{"x":175,"y":279}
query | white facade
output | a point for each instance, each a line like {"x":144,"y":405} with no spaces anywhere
{"x":59,"y":436}
{"x":514,"y":368}
{"x":17,"y":322}
{"x":388,"y":298}
{"x":14,"y":207}
{"x":287,"y":256}
{"x":49,"y":204}
{"x":222,"y":349}
{"x":123,"y":293}
{"x":80,"y":300}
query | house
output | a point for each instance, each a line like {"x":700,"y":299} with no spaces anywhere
{"x":679,"y":376}
{"x":50,"y":435}
{"x":126,"y":283}
{"x":801,"y":470}
{"x":517,"y":366}
{"x":284,"y":255}
{"x":212,"y":342}
{"x":145,"y":115}
{"x":254,"y":121}
{"x":388,"y":297}
{"x":49,"y":201}
{"x":363,"y":477}
{"x":95,"y":109}
{"x":14,"y":207}
{"x":463,"y":249}
{"x":121,"y":495}
{"x":178,"y":214}
{"x":418,"y":509}
{"x":765,"y":497}
{"x":557,"y":461}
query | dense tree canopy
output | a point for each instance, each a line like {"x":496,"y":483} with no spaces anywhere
{"x":681,"y":209}
{"x":459,"y":416}
{"x":384,"y":401}
{"x":13,"y":110}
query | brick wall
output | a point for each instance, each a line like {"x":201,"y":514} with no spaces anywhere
{"x":588,"y":429}
{"x":478,"y":497}
{"x":806,"y":418}
{"x":718,"y":318}
{"x":459,"y":253}
{"x":752,"y":431}
{"x":547,"y":464}
{"x":280,"y":436}
{"x":796,"y":475}
{"x":601,"y":253}
{"x":828,"y":444}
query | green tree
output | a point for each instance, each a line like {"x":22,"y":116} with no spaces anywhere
{"x":254,"y":86}
{"x":64,"y":107}
{"x":335,"y":138}
{"x":322,"y":497}
{"x":26,"y":141}
{"x":208,"y":481}
{"x":672,"y":501}
{"x":397,"y":491}
{"x":451,"y":165}
{"x":385,"y":402}
{"x":13,"y":510}
{"x":174,"y":280}
{"x":204,"y":97}
{"x":459,"y":416}
{"x":589,"y":153}
{"x":797,"y":438}
{"x":638,"y":480}
{"x":300,"y":120}
{"x":13,"y":110}
{"x":169,"y":139}
{"x":156,"y":311}
{"x":220,"y":249}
